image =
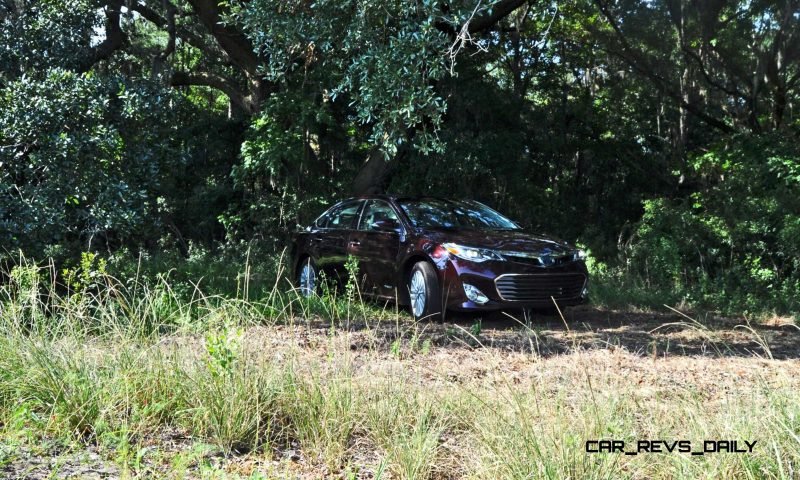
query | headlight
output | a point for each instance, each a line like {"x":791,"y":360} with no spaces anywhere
{"x":579,"y":255}
{"x":472,"y":254}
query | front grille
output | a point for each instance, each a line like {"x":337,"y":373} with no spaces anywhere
{"x":537,"y":260}
{"x":539,"y":287}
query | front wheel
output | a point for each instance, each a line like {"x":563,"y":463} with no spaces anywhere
{"x":423,"y":290}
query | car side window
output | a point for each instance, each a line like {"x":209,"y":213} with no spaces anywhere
{"x":344,"y":216}
{"x":322,"y":221}
{"x":379,"y":216}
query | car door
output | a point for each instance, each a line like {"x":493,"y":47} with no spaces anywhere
{"x":334,"y":237}
{"x":376,"y":245}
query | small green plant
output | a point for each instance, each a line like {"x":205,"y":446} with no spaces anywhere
{"x":328,"y":293}
{"x":89,"y":273}
{"x":25,"y":278}
{"x":426,"y":346}
{"x":476,"y":328}
{"x":351,"y":267}
{"x":23,"y":293}
{"x":396,"y":348}
{"x":222,"y":349}
{"x":418,"y":344}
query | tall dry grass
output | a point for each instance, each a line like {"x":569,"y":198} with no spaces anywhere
{"x":116,"y":364}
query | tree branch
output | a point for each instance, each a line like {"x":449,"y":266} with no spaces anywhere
{"x":115,"y":37}
{"x":500,"y":10}
{"x":232,"y":41}
{"x":171,"y":11}
{"x":218,"y":82}
{"x":189,"y":37}
{"x":643,"y":67}
{"x":485,"y":22}
{"x":690,"y":55}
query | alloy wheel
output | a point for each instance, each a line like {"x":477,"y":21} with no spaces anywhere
{"x":417,"y":292}
{"x":308,"y":280}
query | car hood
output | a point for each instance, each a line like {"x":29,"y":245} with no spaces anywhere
{"x":503,"y":240}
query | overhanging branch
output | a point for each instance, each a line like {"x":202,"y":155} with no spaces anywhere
{"x":114,"y":37}
{"x":485,"y":22}
{"x":232,"y":41}
{"x":500,"y":10}
{"x":185,"y":35}
{"x":205,"y":79}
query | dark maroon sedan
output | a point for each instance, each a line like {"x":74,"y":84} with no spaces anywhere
{"x":435,"y":254}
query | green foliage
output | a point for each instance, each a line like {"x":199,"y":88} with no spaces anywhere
{"x":98,"y":157}
{"x":592,"y":122}
{"x":475,"y":329}
{"x":88,"y":275}
{"x":732,"y":243}
{"x":38,"y":35}
{"x":283,"y":169}
{"x":78,"y":163}
{"x":223,"y":349}
{"x":387,"y":81}
{"x":25,"y":280}
{"x":340,"y":96}
{"x":353,"y":280}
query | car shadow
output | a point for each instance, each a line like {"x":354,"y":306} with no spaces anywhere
{"x":645,"y":333}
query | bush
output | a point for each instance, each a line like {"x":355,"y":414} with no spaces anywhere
{"x":734,"y":243}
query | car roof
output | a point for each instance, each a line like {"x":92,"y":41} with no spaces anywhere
{"x":392,"y":197}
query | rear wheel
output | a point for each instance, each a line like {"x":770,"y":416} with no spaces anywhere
{"x":307,"y":278}
{"x":424,"y":292}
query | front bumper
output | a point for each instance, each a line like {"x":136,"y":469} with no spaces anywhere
{"x":512,"y":284}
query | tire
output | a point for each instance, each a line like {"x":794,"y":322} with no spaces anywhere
{"x":306,"y":271}
{"x":425,"y":296}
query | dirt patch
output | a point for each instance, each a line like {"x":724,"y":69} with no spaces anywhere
{"x":20,"y":462}
{"x":652,"y":334}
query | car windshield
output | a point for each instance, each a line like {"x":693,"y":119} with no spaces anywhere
{"x":454,"y":214}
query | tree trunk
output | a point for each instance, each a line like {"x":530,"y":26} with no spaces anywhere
{"x":374,"y":174}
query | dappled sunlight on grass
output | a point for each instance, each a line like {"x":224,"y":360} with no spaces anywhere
{"x":154,"y":384}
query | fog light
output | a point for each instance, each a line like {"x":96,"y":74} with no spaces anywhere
{"x":584,"y":292}
{"x":475,"y":295}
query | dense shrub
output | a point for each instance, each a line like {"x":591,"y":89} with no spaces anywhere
{"x":733,"y":243}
